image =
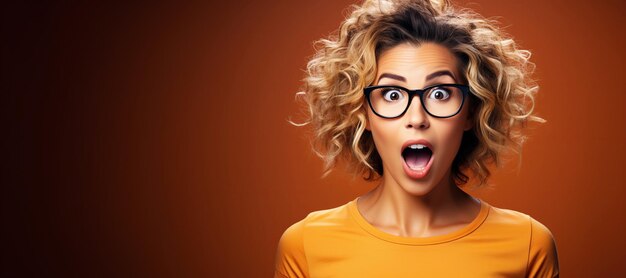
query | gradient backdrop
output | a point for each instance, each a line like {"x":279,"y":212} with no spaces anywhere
{"x":152,"y":139}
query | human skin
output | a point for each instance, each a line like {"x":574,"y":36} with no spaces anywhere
{"x":433,"y":204}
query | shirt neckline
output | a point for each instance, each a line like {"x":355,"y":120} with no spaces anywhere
{"x":467,"y":229}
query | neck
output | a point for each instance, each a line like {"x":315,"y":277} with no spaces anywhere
{"x":389,"y":205}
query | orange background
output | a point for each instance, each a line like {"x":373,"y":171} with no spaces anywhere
{"x":152,"y":140}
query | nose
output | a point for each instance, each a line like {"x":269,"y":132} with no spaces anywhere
{"x":416,"y":116}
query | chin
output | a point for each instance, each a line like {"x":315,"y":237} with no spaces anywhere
{"x":415,"y":187}
{"x":419,"y":187}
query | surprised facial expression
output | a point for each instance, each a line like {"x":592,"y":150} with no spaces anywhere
{"x":416,"y":148}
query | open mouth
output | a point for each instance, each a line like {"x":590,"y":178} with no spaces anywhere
{"x":417,"y":156}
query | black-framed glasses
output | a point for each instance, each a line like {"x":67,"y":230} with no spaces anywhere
{"x":440,"y":101}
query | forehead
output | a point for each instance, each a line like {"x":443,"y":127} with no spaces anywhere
{"x":416,"y":62}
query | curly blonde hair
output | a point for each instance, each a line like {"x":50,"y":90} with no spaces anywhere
{"x":497,"y":72}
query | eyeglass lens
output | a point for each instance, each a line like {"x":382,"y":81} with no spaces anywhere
{"x":440,"y":101}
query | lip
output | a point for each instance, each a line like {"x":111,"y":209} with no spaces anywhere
{"x":417,"y":141}
{"x":417,"y":174}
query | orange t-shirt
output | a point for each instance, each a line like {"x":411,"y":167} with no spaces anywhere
{"x":339,"y":242}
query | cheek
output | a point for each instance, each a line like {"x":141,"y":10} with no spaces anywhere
{"x":450,"y":137}
{"x":452,"y":129}
{"x":388,"y":140}
{"x":385,"y":135}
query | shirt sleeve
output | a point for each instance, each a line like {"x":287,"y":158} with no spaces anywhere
{"x":543,"y":258}
{"x":290,"y":257}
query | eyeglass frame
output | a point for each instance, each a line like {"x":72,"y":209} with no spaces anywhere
{"x":419,"y":92}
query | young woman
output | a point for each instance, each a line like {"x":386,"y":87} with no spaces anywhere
{"x":420,"y":96}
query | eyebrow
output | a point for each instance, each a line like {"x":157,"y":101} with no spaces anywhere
{"x":428,"y":77}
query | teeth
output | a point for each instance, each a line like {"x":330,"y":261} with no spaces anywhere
{"x":417,"y":146}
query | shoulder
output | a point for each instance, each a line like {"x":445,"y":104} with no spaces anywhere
{"x":291,"y":256}
{"x":327,"y":217}
{"x":542,"y":252}
{"x":538,"y":233}
{"x":290,"y":259}
{"x":543,"y":257}
{"x":508,"y":225}
{"x":509,"y":217}
{"x":324,"y":218}
{"x":541,"y":236}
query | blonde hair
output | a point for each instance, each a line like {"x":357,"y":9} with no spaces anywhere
{"x":497,"y":72}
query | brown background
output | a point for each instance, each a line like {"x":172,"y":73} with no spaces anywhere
{"x":152,"y":140}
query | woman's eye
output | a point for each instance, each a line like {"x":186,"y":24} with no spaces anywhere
{"x":392,"y":95}
{"x":439,"y":94}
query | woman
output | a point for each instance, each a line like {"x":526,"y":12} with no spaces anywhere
{"x":421,"y":96}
